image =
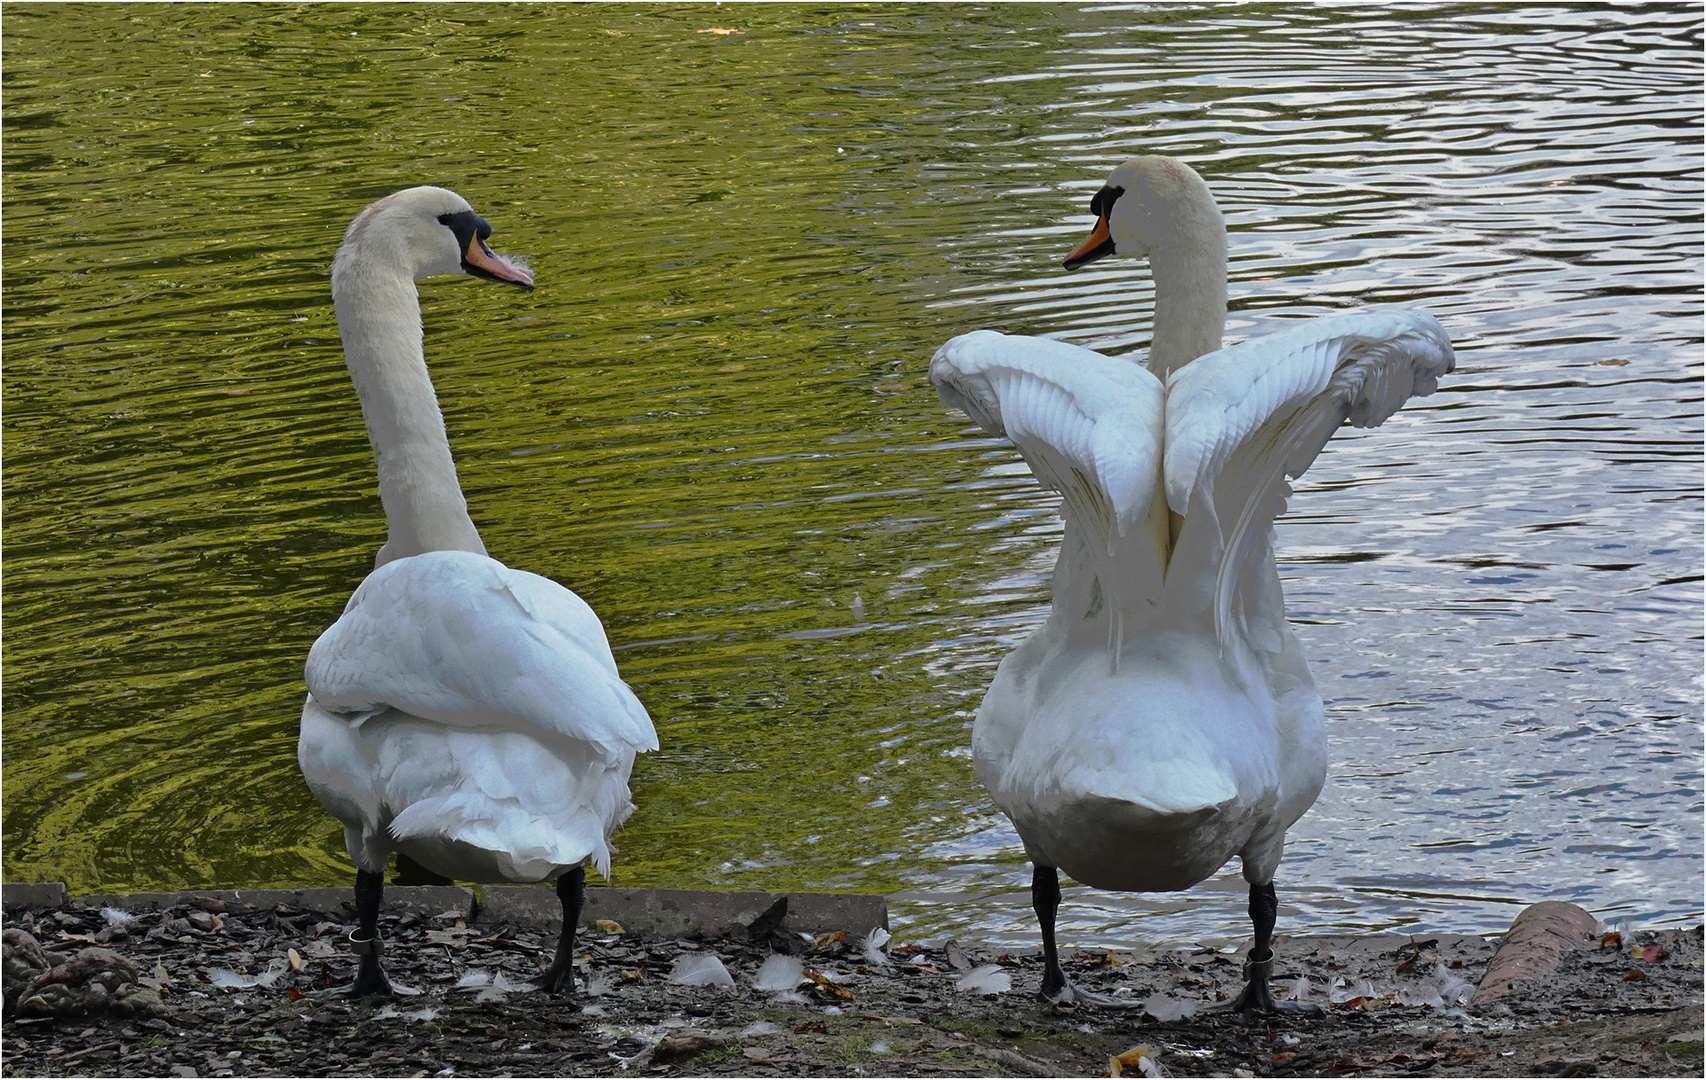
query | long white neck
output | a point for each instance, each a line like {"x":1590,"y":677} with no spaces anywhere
{"x":379,"y":319}
{"x":1190,"y":306}
{"x":1189,"y":269}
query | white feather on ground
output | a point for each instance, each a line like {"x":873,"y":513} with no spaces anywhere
{"x":1452,"y":989}
{"x":873,"y":946}
{"x":1168,"y":1010}
{"x":988,"y":979}
{"x":492,"y":986}
{"x":779,"y":973}
{"x":226,"y":979}
{"x":700,"y":969}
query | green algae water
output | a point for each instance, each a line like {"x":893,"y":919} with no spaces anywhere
{"x":750,"y":227}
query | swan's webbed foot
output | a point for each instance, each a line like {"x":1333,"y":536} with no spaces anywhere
{"x":1258,"y":998}
{"x":1063,"y":993}
{"x":370,"y":980}
{"x":558,"y":980}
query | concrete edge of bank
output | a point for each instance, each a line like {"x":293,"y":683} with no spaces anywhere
{"x":670,"y":912}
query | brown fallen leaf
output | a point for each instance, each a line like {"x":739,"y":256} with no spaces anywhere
{"x":828,"y":984}
{"x":720,"y":31}
{"x":1614,"y":363}
{"x":1611,"y":940}
{"x":824,"y":941}
{"x":1652,"y":952}
{"x":607,"y":926}
{"x":293,"y":993}
{"x":1635,"y":975}
{"x":678,"y":1047}
{"x":956,"y":955}
{"x":1131,"y":1062}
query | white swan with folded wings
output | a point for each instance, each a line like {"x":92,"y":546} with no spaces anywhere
{"x":460,"y":713}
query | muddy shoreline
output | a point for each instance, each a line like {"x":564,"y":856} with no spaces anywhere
{"x":212,"y":988}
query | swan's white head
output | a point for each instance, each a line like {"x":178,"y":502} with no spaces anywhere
{"x":424,"y":231}
{"x":1148,"y":203}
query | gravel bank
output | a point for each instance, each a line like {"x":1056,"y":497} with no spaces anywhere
{"x":214,"y":990}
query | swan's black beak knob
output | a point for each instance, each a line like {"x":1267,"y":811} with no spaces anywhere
{"x":1100,"y":241}
{"x":479,"y":260}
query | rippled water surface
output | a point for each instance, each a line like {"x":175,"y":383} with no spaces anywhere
{"x":751,"y":226}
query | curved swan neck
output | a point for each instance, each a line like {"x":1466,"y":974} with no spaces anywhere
{"x":1188,"y":265}
{"x":379,"y":319}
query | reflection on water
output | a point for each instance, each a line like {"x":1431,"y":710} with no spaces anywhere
{"x":711,"y":419}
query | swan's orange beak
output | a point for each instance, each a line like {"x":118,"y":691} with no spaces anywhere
{"x":482,"y":261}
{"x":1098,"y":244}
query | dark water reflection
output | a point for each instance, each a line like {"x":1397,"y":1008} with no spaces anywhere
{"x":711,"y":419}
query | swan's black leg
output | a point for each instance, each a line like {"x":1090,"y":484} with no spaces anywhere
{"x":1259,"y":965}
{"x":571,"y":891}
{"x":1045,"y":901}
{"x":364,"y":940}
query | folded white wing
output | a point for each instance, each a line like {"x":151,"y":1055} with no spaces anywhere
{"x":1242,"y":419}
{"x":462,"y":640}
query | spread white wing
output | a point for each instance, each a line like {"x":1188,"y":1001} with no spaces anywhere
{"x":1242,"y":419}
{"x":462,"y":640}
{"x":1089,"y":426}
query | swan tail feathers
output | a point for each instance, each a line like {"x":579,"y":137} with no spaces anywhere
{"x":515,"y":849}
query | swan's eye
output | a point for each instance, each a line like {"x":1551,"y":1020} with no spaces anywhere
{"x":1102,"y":203}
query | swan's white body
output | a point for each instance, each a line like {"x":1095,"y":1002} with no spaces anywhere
{"x":1163,"y":719}
{"x":463,"y":713}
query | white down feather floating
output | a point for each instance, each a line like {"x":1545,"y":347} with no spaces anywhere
{"x":1163,"y":719}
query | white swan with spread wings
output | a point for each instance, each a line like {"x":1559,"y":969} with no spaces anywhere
{"x":1163,"y":719}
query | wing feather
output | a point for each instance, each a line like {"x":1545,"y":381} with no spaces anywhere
{"x":462,"y":640}
{"x":1093,"y":420}
{"x":1243,"y":419}
{"x":1088,"y":425}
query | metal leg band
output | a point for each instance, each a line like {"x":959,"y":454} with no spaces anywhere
{"x":1259,"y":969}
{"x":372,"y":946}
